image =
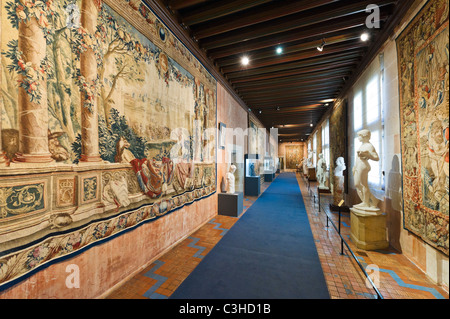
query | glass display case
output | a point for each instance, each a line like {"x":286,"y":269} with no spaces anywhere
{"x":251,"y":166}
{"x":252,"y":185}
{"x":268,"y":165}
{"x":269,"y":169}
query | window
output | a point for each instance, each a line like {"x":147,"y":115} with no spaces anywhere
{"x":326,"y":142}
{"x":367,"y":114}
{"x":357,"y":109}
{"x":315,"y":149}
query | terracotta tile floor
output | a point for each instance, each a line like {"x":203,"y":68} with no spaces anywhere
{"x":395,"y":276}
{"x":398,"y":277}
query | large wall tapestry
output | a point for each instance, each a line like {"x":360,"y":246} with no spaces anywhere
{"x":423,"y":60}
{"x":107,"y":122}
{"x":338,"y":138}
{"x":293,"y":155}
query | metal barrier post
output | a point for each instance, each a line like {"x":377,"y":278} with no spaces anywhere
{"x":342,"y":241}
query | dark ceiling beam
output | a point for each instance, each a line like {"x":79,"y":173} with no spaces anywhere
{"x":285,"y":103}
{"x":304,"y":66}
{"x":342,"y":69}
{"x":289,"y":87}
{"x":298,"y":79}
{"x":313,"y":97}
{"x":218,"y":9}
{"x":292,"y":48}
{"x":181,"y":4}
{"x":322,"y":30}
{"x":262,"y":14}
{"x":302,"y":20}
{"x":293,"y":109}
{"x":288,"y":93}
{"x":286,"y":58}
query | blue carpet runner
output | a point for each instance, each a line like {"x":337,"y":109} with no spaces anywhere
{"x":269,"y":253}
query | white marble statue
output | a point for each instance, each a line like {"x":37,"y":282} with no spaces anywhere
{"x":340,"y":167}
{"x":321,"y":171}
{"x":338,"y":189}
{"x":305,"y":165}
{"x":309,"y":160}
{"x":231,"y":180}
{"x":361,"y":170}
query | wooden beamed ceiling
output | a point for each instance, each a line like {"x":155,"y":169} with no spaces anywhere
{"x":284,"y":90}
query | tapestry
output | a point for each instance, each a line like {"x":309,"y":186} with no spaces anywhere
{"x":423,"y":61}
{"x":293,"y":155}
{"x":107,"y":122}
{"x":338,"y":139}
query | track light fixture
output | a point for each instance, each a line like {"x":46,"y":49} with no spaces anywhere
{"x":320,"y":47}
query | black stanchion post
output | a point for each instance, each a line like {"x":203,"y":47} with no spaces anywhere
{"x":342,"y":241}
{"x":318,"y":195}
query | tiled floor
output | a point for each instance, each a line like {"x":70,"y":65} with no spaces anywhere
{"x":395,"y":276}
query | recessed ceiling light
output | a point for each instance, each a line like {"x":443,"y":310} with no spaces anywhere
{"x":260,"y":111}
{"x":365,"y":36}
{"x":279,"y":50}
{"x":311,"y":125}
{"x":245,"y":60}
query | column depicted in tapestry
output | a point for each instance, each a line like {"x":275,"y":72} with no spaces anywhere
{"x":32,"y":95}
{"x":88,"y":70}
{"x":3,"y":159}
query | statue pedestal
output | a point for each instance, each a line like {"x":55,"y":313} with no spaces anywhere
{"x":323,"y":189}
{"x":231,"y":204}
{"x":368,"y":228}
{"x":312,"y":173}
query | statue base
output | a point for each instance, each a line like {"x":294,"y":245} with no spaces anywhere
{"x":368,"y":228}
{"x":335,"y":208}
{"x":230,"y":204}
{"x":323,"y":189}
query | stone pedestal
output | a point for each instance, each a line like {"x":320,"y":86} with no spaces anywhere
{"x":323,"y":189}
{"x":312,"y":174}
{"x":231,"y":204}
{"x":368,"y":229}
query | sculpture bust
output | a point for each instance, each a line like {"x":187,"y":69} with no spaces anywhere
{"x":231,"y":180}
{"x":361,"y":170}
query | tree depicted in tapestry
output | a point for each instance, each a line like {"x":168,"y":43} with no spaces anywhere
{"x":110,"y":110}
{"x":423,"y":55}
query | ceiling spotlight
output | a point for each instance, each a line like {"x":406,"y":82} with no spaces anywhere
{"x":320,"y":47}
{"x":326,"y":104}
{"x":279,"y":50}
{"x":365,"y":36}
{"x":245,"y":60}
{"x":260,"y":111}
{"x":311,"y":125}
{"x":278,"y":108}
